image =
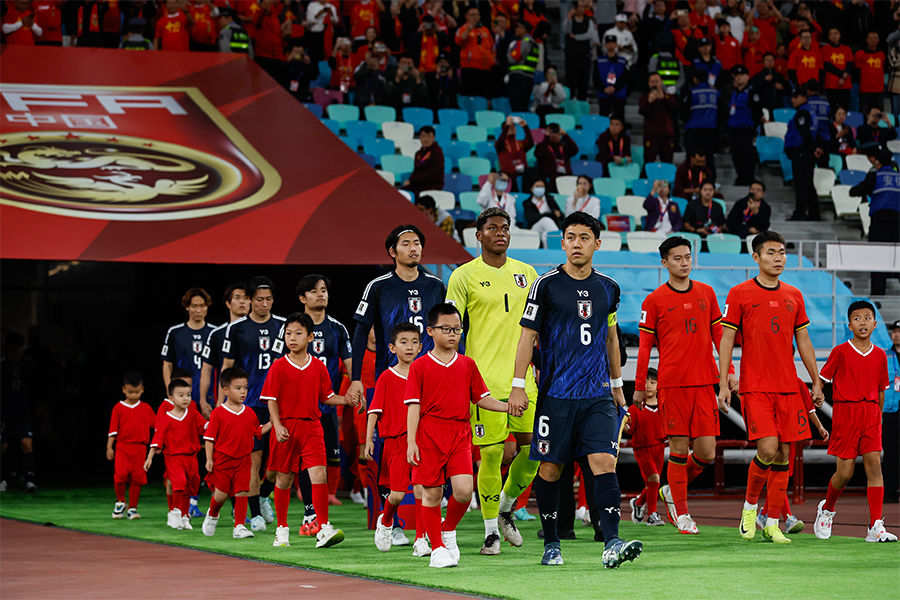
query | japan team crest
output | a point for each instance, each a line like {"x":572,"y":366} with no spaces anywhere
{"x":520,"y":280}
{"x":585,"y":309}
{"x":415,"y":305}
{"x":197,"y":346}
{"x":264,"y":344}
{"x":543,"y":447}
{"x":318,"y":346}
{"x":479,"y":430}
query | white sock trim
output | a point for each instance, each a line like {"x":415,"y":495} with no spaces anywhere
{"x":770,"y":522}
{"x":506,"y":502}
{"x":490,"y":526}
{"x":748,"y":506}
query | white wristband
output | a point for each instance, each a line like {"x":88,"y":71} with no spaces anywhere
{"x":518,"y":382}
{"x":616,"y":383}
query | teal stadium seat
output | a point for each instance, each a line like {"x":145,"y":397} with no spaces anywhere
{"x":343,"y":113}
{"x":380,"y":114}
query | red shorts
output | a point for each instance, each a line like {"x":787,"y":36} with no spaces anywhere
{"x":395,"y":469}
{"x":304,"y":448}
{"x":445,"y":450}
{"x":855,"y":429}
{"x":184,"y":473}
{"x":772,"y":414}
{"x":689,"y":411}
{"x":129,"y":461}
{"x":230,"y":475}
{"x":353,"y":427}
{"x":650,"y":460}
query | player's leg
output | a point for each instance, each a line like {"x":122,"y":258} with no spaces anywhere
{"x":169,"y":499}
{"x":304,"y":487}
{"x":522,"y":471}
{"x":216,"y":501}
{"x":676,"y":474}
{"x":120,"y":481}
{"x":431,"y":521}
{"x":546,"y":492}
{"x":489,"y":488}
{"x":318,"y":475}
{"x":607,"y":495}
{"x":283,"y":483}
{"x":875,"y":496}
{"x":776,"y":490}
{"x":333,"y":455}
{"x":28,"y":461}
{"x":759,"y":415}
{"x":119,"y":508}
{"x":256,"y":461}
{"x":240,"y":516}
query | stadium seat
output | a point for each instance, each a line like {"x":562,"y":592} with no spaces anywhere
{"x":343,"y":113}
{"x":501,"y":104}
{"x":637,"y":155}
{"x":469,"y":201}
{"x":488,"y":151}
{"x":370,"y":160}
{"x":606,"y":204}
{"x":397,"y":131}
{"x":660,"y":170}
{"x":537,"y":135}
{"x":443,"y":199}
{"x":533,"y":121}
{"x":823,"y":179}
{"x":333,"y":125}
{"x":851,"y":178}
{"x":565,"y":184}
{"x":442,"y":134}
{"x":631,"y":205}
{"x":748,"y":242}
{"x":554,"y":240}
{"x":784,"y":115}
{"x":566,"y":122}
{"x":590,"y":168}
{"x":472,"y":104}
{"x":474,"y":166}
{"x":585,"y":141}
{"x":769,"y":149}
{"x":695,"y":239}
{"x":610,"y":241}
{"x":894,"y":146}
{"x":682,"y":204}
{"x":471,"y":134}
{"x":489,"y":119}
{"x":844,"y":203}
{"x":787,"y":170}
{"x":326,"y":98}
{"x":865,"y":218}
{"x":524,"y":239}
{"x":448,"y":164}
{"x":626,"y":173}
{"x":642,"y":187}
{"x":400,"y":166}
{"x":457,"y":183}
{"x":576,"y":108}
{"x":323,"y":79}
{"x":724,"y":243}
{"x":836,"y":162}
{"x":453,"y":117}
{"x":314,"y":109}
{"x":469,"y":239}
{"x":418,"y":117}
{"x":858,"y":162}
{"x":352,"y":143}
{"x":722,"y":204}
{"x":566,"y":89}
{"x":410,"y":147}
{"x":596,"y":123}
{"x":854,"y":119}
{"x":378,"y":147}
{"x":407,"y":195}
{"x":644,"y":241}
{"x":459,"y":214}
{"x":774,"y":129}
{"x":387,"y":176}
{"x":380,"y":115}
{"x":456,"y":150}
{"x":609,"y":186}
{"x":361,"y":130}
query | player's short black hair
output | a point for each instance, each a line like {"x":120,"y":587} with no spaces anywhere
{"x":439,"y":310}
{"x":309,"y":282}
{"x":427,"y":129}
{"x":652,"y":374}
{"x":257,"y":283}
{"x":176,"y":384}
{"x":757,"y":182}
{"x":230,"y":374}
{"x":403,"y":327}
{"x":426,"y":201}
{"x":231,"y":289}
{"x":394,"y":236}
{"x":672,"y":242}
{"x":303,"y":319}
{"x":766,"y":236}
{"x":582,"y":218}
{"x":183,"y":374}
{"x":133,"y":378}
{"x":860,"y":305}
{"x":494,"y":211}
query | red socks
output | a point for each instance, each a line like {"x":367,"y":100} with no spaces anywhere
{"x":176,"y":501}
{"x":334,"y":477}
{"x":756,"y":479}
{"x":185,"y":504}
{"x":641,"y":500}
{"x":320,"y":501}
{"x":420,"y":520}
{"x":431,"y":515}
{"x":777,"y":489}
{"x":120,"y":491}
{"x":214,"y":507}
{"x":831,"y":497}
{"x":240,"y":510}
{"x":388,"y":513}
{"x":678,"y":480}
{"x":653,"y":495}
{"x":170,"y":498}
{"x":522,"y":501}
{"x":282,"y":501}
{"x":875,"y":495}
{"x":455,"y":512}
{"x":695,"y":466}
{"x":786,"y":507}
{"x":134,"y":494}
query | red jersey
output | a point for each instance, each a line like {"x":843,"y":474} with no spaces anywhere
{"x":704,"y":23}
{"x":179,"y":435}
{"x":232,"y":433}
{"x":269,"y":42}
{"x":645,"y":427}
{"x":444,"y":391}
{"x":871,"y":71}
{"x":132,"y":422}
{"x":767,"y":319}
{"x":753,"y":56}
{"x":728,"y":51}
{"x":807,"y":63}
{"x":681,"y":37}
{"x":172,"y":32}
{"x":48,"y":16}
{"x":686,"y":327}
{"x":362,"y":17}
{"x":297,"y":389}
{"x":767,"y":32}
{"x":841,"y":58}
{"x":388,"y":404}
{"x":22,"y":36}
{"x":856,"y":376}
{"x":165,"y":406}
{"x":203,"y":29}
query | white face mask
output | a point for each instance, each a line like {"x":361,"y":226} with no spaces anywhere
{"x":501,"y":185}
{"x":538,"y":192}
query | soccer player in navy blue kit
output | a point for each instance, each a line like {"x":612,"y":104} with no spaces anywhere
{"x":253,"y":343}
{"x":572,"y":310}
{"x":238,"y":305}
{"x":184,"y":343}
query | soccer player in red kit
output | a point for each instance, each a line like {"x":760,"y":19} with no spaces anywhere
{"x":177,"y":436}
{"x":389,"y":412}
{"x":440,"y":387}
{"x":770,"y":315}
{"x":229,"y":441}
{"x":682,"y":317}
{"x":165,"y":406}
{"x":295,"y":385}
{"x":647,"y":439}
{"x":129,"y":428}
{"x":857,"y":370}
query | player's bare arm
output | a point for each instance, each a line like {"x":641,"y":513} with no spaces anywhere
{"x":205,"y":380}
{"x":615,"y":363}
{"x":110,"y":453}
{"x":518,"y":399}
{"x":412,"y":427}
{"x":167,"y":373}
{"x":808,"y":356}
{"x":342,"y":400}
{"x":208,"y":446}
{"x":227,"y":363}
{"x":149,"y":461}
{"x":264,"y":429}
{"x":281,"y":432}
{"x":491,"y":403}
{"x":370,"y":434}
{"x":726,"y":347}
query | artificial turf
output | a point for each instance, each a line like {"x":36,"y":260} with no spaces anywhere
{"x":716,"y":564}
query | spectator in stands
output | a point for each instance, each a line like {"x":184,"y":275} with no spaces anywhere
{"x":754,"y":49}
{"x":869,"y":63}
{"x":663,"y":215}
{"x":554,"y":154}
{"x":97,"y":24}
{"x":751,"y":214}
{"x":363,"y":15}
{"x":728,"y":48}
{"x":653,"y":23}
{"x":427,"y":45}
{"x":202,"y":15}
{"x":870,"y":135}
{"x":769,"y":84}
{"x":439,"y":216}
{"x":700,"y":108}
{"x":704,"y":216}
{"x":522,"y":56}
{"x":582,"y":38}
{"x":583,"y":200}
{"x":611,"y":78}
{"x":658,"y":109}
{"x":134,"y":36}
{"x":232,"y":36}
{"x":627,"y":47}
{"x":476,"y":54}
{"x":767,"y":21}
{"x":690,"y":175}
{"x":707,"y":62}
{"x":805,"y":62}
{"x":19,"y":26}
{"x":890,"y":418}
{"x":702,"y":20}
{"x":512,"y":152}
{"x":428,"y":165}
{"x":48,"y":16}
{"x":319,"y":15}
{"x":342,"y":65}
{"x":408,"y":88}
{"x":370,"y":83}
{"x":842,"y":139}
{"x":548,"y":95}
{"x":685,"y":36}
{"x":733,"y":13}
{"x":541,"y":212}
{"x":837,"y":61}
{"x":822,"y":109}
{"x":495,"y":193}
{"x":503,"y":37}
{"x":743,"y":120}
{"x":300,"y":72}
{"x":443,"y":86}
{"x":614,"y":145}
{"x":893,"y":87}
{"x":529,"y":11}
{"x":801,"y":148}
{"x":882,"y":186}
{"x":172,"y":29}
{"x":136,"y":9}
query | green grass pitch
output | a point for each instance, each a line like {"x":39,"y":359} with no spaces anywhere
{"x":716,"y":564}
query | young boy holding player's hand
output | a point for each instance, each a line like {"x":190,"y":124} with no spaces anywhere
{"x":440,"y":387}
{"x":644,"y":425}
{"x":129,"y":428}
{"x":229,"y":442}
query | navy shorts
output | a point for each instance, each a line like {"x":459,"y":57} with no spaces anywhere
{"x":332,"y":442}
{"x":262,"y":413}
{"x":567,"y":429}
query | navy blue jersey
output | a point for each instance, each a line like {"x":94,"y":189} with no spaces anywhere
{"x":331,"y":345}
{"x":254,"y":347}
{"x":572,"y":318}
{"x":212,"y":350}
{"x":389,"y":300}
{"x":184,"y":349}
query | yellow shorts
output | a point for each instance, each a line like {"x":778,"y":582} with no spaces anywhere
{"x":489,"y":427}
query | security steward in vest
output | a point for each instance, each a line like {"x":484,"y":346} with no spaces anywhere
{"x":668,"y":67}
{"x":800,"y":147}
{"x":232,"y":36}
{"x":134,"y":38}
{"x":744,"y":114}
{"x":523,"y":57}
{"x":700,"y":108}
{"x":822,"y":108}
{"x":882,"y":186}
{"x":611,"y":80}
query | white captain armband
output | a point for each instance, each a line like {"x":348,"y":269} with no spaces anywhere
{"x":616,"y":383}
